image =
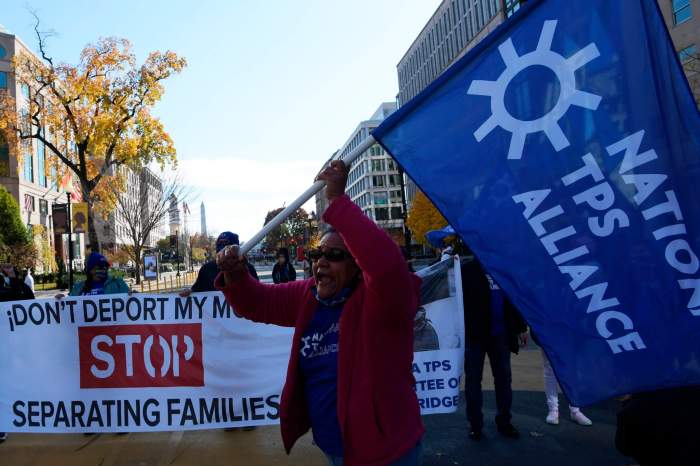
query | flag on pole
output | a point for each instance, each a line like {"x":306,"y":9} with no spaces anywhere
{"x":565,"y":151}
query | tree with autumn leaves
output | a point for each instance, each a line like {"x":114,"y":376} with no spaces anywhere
{"x":291,"y":232}
{"x":93,"y":117}
{"x":424,"y":217}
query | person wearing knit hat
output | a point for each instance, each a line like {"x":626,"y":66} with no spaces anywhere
{"x":208,"y":272}
{"x":98,"y":281}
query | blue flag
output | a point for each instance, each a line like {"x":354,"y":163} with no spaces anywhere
{"x":565,"y":151}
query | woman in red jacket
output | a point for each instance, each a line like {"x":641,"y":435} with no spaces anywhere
{"x":349,"y":377}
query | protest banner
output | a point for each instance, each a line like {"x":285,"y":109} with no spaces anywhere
{"x":438,"y":341}
{"x":120,"y":363}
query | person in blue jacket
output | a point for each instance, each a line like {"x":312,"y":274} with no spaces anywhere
{"x":98,"y":281}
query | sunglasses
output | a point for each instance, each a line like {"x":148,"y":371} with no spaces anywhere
{"x":331,"y":254}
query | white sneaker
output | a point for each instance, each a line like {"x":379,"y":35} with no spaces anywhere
{"x":3,"y":436}
{"x":579,"y":418}
{"x":552,"y":417}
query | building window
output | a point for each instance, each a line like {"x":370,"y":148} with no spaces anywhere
{"x":381,"y":198}
{"x":378,"y":166}
{"x":43,"y":207}
{"x":4,"y":157}
{"x":25,"y":91}
{"x":377,"y":149}
{"x":378,"y":181}
{"x":688,"y":53}
{"x":396,"y":213}
{"x":29,"y":166}
{"x":41,"y":160}
{"x":3,"y":52}
{"x":3,"y":80}
{"x":381,"y":213}
{"x":393,"y":180}
{"x":511,"y":7}
{"x":681,"y":11}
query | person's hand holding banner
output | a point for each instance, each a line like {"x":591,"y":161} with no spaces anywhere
{"x":231,"y":263}
{"x":336,"y":177}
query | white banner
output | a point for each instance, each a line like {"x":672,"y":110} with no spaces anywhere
{"x":119,"y":363}
{"x":438,"y":359}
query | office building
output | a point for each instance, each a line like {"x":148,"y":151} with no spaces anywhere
{"x":683,"y":21}
{"x":454,"y":28}
{"x":144,"y":191}
{"x":26,"y":171}
{"x":373,"y":181}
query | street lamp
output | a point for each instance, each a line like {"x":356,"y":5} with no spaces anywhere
{"x":312,"y":223}
{"x":69,"y":193}
{"x":177,"y":251}
{"x":191,"y":249}
{"x":404,"y":216}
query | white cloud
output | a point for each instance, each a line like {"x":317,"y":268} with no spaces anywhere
{"x":248,"y":175}
{"x":238,"y":193}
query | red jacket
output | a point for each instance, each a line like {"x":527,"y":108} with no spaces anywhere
{"x":377,"y":406}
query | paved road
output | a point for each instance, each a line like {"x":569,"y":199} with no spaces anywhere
{"x":567,"y":444}
{"x":446,"y":442}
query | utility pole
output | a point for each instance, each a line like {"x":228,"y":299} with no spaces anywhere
{"x":191,"y":248}
{"x":69,"y":193}
{"x":177,"y":251}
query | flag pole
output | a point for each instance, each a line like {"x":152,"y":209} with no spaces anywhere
{"x":291,"y":208}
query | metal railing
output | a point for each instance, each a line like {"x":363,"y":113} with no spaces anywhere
{"x":167,"y":284}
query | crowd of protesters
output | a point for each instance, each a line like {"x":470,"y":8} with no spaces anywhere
{"x":355,"y":389}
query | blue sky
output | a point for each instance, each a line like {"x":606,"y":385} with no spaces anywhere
{"x":272,"y":87}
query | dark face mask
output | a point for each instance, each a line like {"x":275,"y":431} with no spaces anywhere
{"x":100,"y":274}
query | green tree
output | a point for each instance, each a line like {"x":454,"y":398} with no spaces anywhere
{"x":199,"y":254}
{"x":290,"y":232}
{"x":16,"y":246}
{"x":163,"y":245}
{"x":12,"y":229}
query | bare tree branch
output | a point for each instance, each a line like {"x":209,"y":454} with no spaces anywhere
{"x":147,"y":211}
{"x":42,"y":36}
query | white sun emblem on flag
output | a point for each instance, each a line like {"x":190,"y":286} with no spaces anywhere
{"x":563,"y":68}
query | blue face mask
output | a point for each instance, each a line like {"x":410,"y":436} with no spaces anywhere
{"x":336,"y":300}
